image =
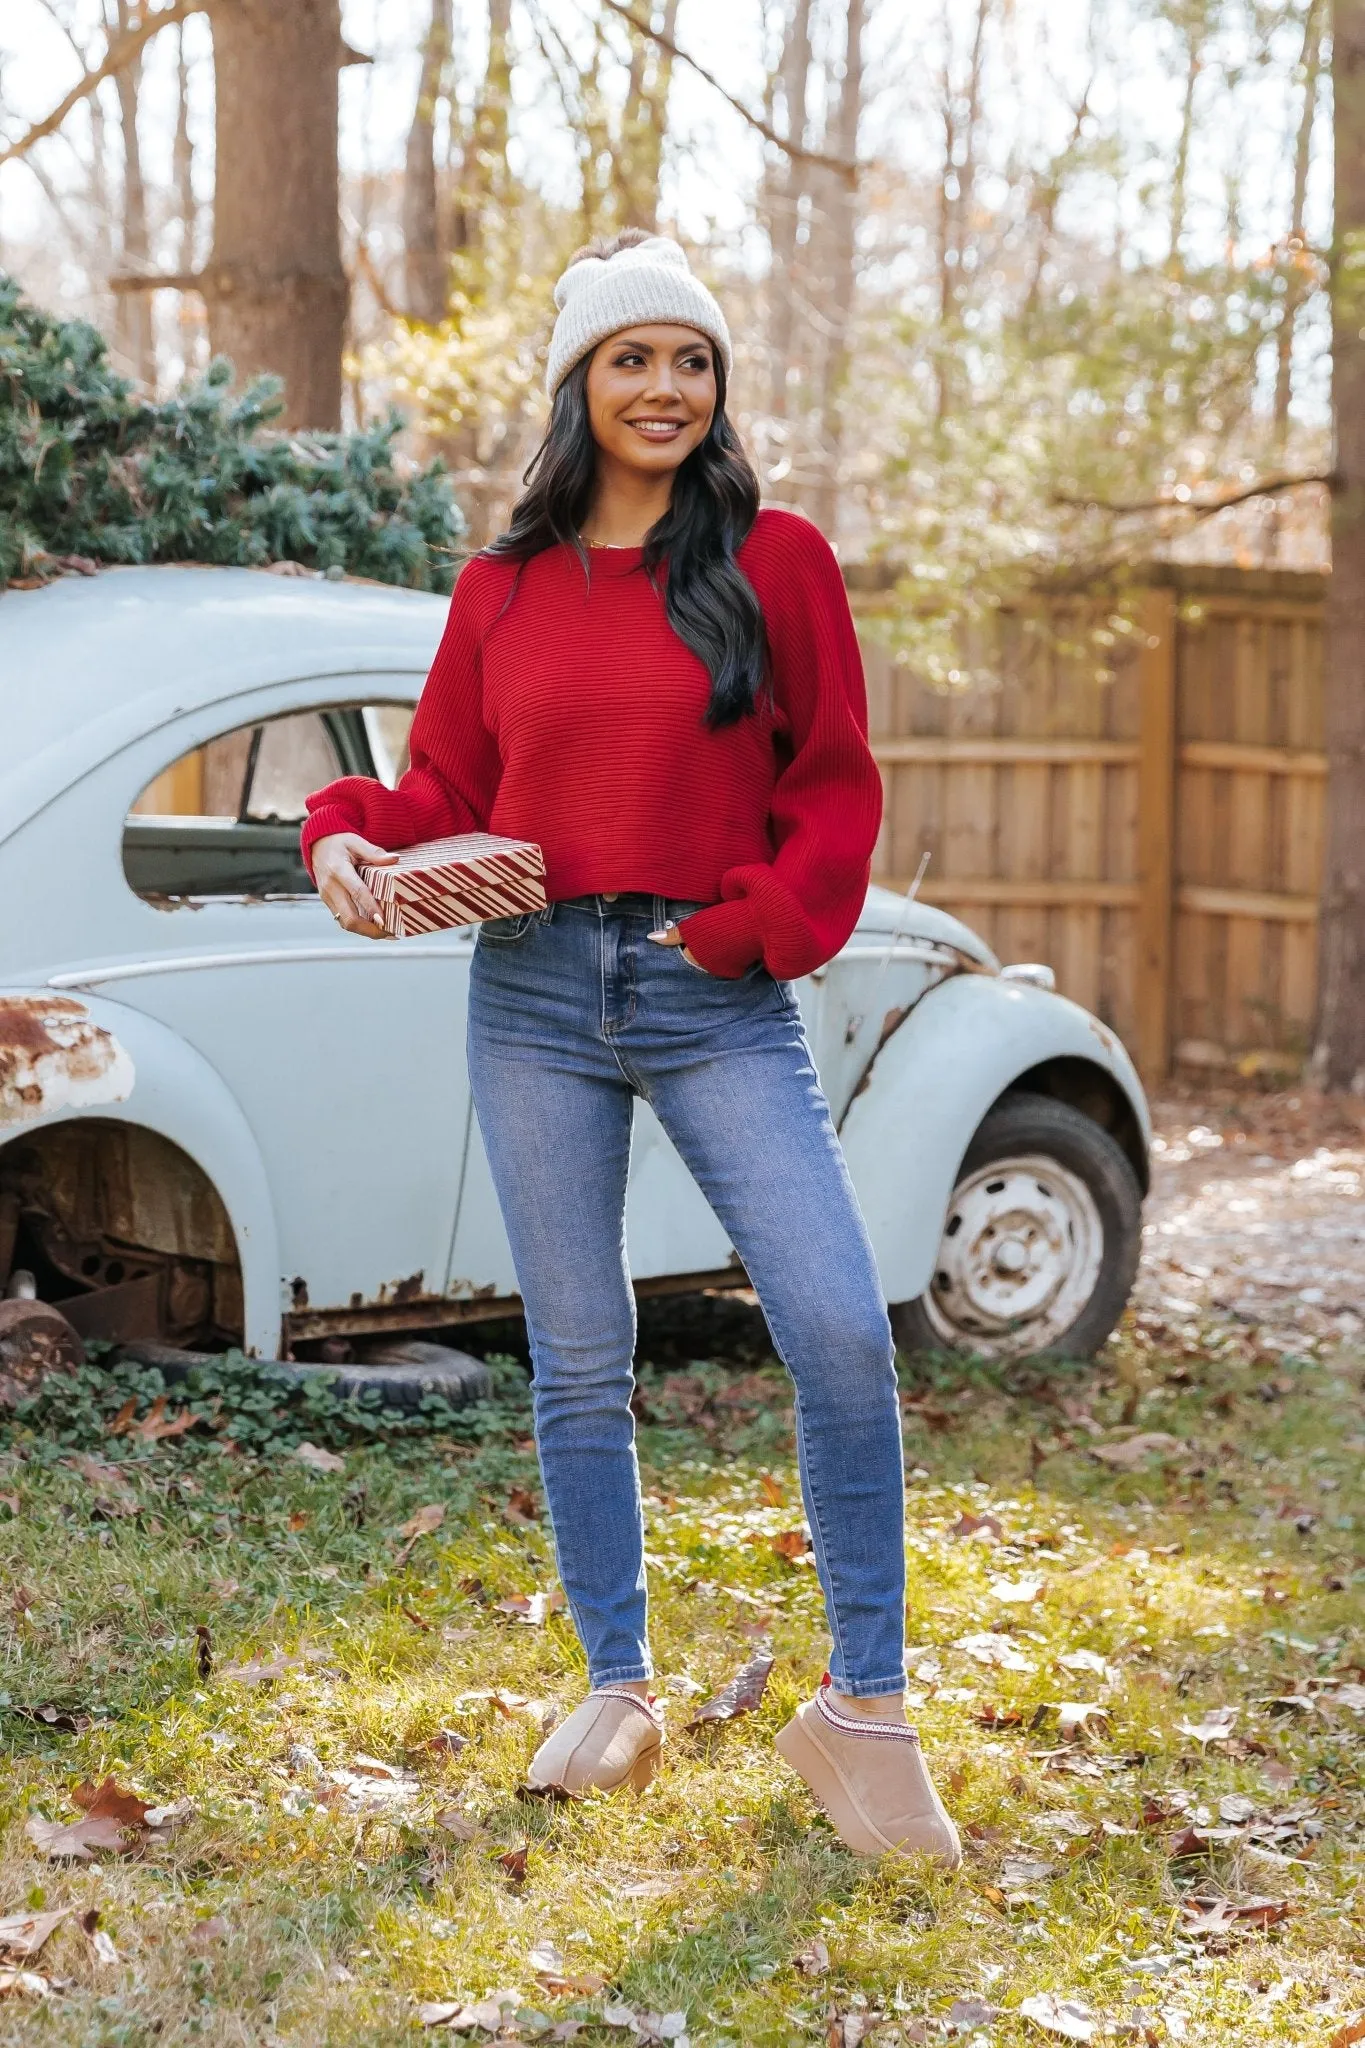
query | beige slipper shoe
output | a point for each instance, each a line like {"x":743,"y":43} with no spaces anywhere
{"x":612,"y":1739}
{"x":871,"y":1779}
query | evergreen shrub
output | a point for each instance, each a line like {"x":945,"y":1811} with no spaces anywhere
{"x":91,"y":473}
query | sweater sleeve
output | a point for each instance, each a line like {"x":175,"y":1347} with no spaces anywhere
{"x":797,"y":910}
{"x":455,"y":766}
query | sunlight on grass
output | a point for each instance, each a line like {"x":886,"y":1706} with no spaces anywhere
{"x":338,"y":1864}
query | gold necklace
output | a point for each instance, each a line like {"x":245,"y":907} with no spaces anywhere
{"x":619,"y":545}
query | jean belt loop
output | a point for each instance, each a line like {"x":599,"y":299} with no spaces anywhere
{"x":660,"y":913}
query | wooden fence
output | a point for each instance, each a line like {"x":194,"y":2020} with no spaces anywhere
{"x":1157,"y":837}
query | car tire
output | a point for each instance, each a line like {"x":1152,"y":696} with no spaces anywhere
{"x":1040,"y":1244}
{"x":402,"y":1374}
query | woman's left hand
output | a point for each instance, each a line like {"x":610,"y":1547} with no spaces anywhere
{"x":671,"y":935}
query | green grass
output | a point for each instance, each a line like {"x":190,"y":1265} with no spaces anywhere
{"x":291,"y":1908}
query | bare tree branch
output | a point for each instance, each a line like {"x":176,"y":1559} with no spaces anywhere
{"x":154,"y":281}
{"x":122,"y":49}
{"x":1199,"y":508}
{"x":842,"y":167}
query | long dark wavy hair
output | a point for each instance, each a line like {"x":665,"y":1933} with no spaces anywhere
{"x":710,"y":603}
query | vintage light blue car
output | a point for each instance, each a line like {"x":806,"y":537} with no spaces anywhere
{"x":224,"y":1121}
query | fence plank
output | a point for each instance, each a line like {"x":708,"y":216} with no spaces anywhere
{"x":1157,"y":837}
{"x":1156,"y":820}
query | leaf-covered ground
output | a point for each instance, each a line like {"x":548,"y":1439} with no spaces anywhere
{"x":335,"y":1694}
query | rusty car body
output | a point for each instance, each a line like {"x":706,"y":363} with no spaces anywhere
{"x":223,"y":1121}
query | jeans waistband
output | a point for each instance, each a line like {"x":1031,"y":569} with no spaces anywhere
{"x":631,"y":903}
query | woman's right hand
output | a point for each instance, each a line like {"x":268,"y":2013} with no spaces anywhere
{"x":340,"y":886}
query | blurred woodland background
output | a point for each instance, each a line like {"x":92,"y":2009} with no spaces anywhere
{"x":1033,"y":300}
{"x":1012,"y":282}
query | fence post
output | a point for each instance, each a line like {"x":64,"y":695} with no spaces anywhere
{"x":1156,"y":830}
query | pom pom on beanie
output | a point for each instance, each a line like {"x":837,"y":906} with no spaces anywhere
{"x":599,"y":295}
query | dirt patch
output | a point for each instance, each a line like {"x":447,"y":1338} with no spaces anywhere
{"x":1257,"y":1215}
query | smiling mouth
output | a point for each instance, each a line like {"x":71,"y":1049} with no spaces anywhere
{"x":658,"y":430}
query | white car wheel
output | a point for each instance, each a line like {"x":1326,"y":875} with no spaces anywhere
{"x":1040,"y":1242}
{"x":1019,"y":1260}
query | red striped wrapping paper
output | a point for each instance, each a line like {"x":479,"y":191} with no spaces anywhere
{"x":446,"y":882}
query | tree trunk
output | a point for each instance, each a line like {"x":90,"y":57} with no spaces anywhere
{"x":486,"y":175}
{"x":182,"y":161}
{"x":1339,"y":1060}
{"x":1180,"y":176}
{"x":840,"y":271}
{"x":134,"y":325}
{"x":275,"y":286}
{"x":788,"y":188}
{"x":1310,"y":63}
{"x":644,"y":126}
{"x":426,"y":256}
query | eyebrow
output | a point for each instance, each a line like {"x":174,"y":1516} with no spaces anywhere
{"x":648,"y":348}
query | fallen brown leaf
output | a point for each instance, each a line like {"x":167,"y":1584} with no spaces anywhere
{"x":791,"y":1544}
{"x":1131,"y":1451}
{"x":1066,"y":2017}
{"x":111,"y":1821}
{"x":110,"y":1801}
{"x":123,"y":1418}
{"x":988,"y":1527}
{"x":458,"y":1824}
{"x":297,"y":1519}
{"x":423,"y":1523}
{"x":1077,"y":1718}
{"x":23,"y":1984}
{"x":552,"y":1974}
{"x":1347,"y":2036}
{"x":1214,"y":1726}
{"x":102,"y":1948}
{"x":260,"y":1672}
{"x":966,"y":2015}
{"x":156,"y":1425}
{"x":532,"y":1608}
{"x":522,"y":1508}
{"x":203,"y":1650}
{"x":740,"y":1696}
{"x":513,"y":1863}
{"x":990,"y":1714}
{"x":113,"y":1495}
{"x":812,"y":1960}
{"x":319,"y":1460}
{"x":1201,"y":1918}
{"x":773,"y":1494}
{"x":62,"y":1720}
{"x":445,"y":1742}
{"x":215,"y":1928}
{"x":23,"y":1934}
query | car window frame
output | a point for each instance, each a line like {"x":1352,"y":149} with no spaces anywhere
{"x":344,"y":723}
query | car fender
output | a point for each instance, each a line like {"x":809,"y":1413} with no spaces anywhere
{"x":69,"y":1057}
{"x":928,"y":1089}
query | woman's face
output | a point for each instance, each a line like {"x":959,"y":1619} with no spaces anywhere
{"x":651,"y":395}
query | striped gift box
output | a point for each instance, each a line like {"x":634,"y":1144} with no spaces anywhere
{"x":445,"y":882}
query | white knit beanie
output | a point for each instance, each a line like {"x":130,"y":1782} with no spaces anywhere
{"x":599,"y":295}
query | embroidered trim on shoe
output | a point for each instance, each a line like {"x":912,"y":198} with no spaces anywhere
{"x":849,"y":1724}
{"x":618,"y":1692}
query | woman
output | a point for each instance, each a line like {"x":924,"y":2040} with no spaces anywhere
{"x":659,"y":683}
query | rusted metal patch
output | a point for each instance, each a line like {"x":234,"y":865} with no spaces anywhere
{"x":53,"y":1055}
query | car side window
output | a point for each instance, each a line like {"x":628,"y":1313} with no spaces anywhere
{"x":223,"y":819}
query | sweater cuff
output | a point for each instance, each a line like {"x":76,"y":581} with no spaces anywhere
{"x":320,"y":824}
{"x":725,"y":937}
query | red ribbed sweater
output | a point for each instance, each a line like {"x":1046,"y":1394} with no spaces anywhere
{"x":567,"y":711}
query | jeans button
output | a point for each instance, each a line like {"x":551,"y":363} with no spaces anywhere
{"x":610,"y":895}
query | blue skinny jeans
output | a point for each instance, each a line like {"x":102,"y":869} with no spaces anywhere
{"x":573,"y":1012}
